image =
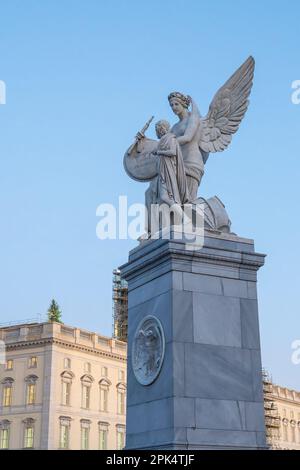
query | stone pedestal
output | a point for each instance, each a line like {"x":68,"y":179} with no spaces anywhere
{"x":208,"y":394}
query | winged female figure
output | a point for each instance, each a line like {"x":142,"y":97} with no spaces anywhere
{"x":197,"y":136}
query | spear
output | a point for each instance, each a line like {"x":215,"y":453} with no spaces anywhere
{"x":142,"y":131}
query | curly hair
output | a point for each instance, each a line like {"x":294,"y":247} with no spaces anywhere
{"x":183,"y":99}
{"x":162,"y":127}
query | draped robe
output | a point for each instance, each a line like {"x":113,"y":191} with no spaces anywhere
{"x":171,"y":182}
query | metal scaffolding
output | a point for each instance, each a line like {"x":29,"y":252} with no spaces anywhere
{"x":120,"y":306}
{"x":272,"y":418}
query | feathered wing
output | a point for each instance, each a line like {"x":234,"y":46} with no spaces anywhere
{"x":227,"y":109}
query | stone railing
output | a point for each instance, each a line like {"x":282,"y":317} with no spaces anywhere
{"x":30,"y":332}
{"x":286,"y":394}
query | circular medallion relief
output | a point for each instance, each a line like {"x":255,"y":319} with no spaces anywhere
{"x":148,"y":350}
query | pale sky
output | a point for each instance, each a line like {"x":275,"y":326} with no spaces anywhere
{"x":81,"y":80}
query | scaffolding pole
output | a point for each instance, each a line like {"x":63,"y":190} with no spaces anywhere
{"x":120,"y":306}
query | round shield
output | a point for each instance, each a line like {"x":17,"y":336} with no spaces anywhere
{"x":139,"y":163}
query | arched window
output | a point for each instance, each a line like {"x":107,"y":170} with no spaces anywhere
{"x":121,"y":398}
{"x":66,"y":382}
{"x":86,"y":384}
{"x":7,"y":391}
{"x":104,"y":385}
{"x":4,"y":434}
{"x":31,"y":381}
{"x":28,"y":433}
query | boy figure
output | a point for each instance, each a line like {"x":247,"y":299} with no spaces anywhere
{"x":170,"y":185}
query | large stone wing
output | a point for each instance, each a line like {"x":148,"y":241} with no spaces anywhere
{"x":227,"y":109}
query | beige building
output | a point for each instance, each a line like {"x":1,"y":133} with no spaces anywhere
{"x":65,"y":388}
{"x":288,"y":404}
{"x":61,"y":388}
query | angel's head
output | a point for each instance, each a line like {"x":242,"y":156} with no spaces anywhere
{"x":179,"y":102}
{"x":162,"y":127}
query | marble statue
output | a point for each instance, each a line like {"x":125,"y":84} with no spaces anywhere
{"x":171,"y":180}
{"x":194,"y":361}
{"x":175,"y":164}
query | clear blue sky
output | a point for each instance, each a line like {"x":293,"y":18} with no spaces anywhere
{"x":82,"y":77}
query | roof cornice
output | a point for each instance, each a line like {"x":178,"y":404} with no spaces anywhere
{"x":65,"y":344}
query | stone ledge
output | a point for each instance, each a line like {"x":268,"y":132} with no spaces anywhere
{"x":170,"y":255}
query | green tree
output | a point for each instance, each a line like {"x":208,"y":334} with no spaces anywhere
{"x":54,"y":313}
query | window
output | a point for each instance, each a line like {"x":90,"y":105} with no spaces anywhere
{"x":104,"y":388}
{"x":31,"y":389}
{"x":121,"y":396}
{"x":7,"y":395}
{"x":85,"y":396}
{"x":84,"y":438}
{"x":32,"y":362}
{"x":9,"y":364}
{"x":7,"y":391}
{"x":293,"y":431}
{"x":285,"y":429}
{"x":66,"y":390}
{"x":120,"y":437}
{"x":67,"y":363}
{"x":86,"y":384}
{"x":87,"y":367}
{"x":122,"y":375}
{"x":29,"y":433}
{"x":4,"y":434}
{"x":85,"y":433}
{"x":66,"y":382}
{"x":103,"y":435}
{"x":30,"y":394}
{"x":4,"y":438}
{"x":64,"y":437}
{"x":64,"y":432}
{"x":104,"y":371}
{"x":121,"y":402}
{"x":103,"y":398}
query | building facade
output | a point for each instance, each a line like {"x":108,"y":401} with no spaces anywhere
{"x":288,"y":404}
{"x":61,"y":388}
{"x":65,"y":388}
